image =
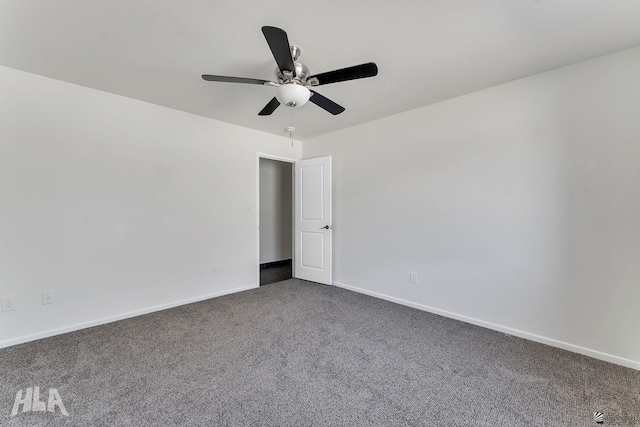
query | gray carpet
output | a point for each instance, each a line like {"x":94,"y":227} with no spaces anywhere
{"x":301,"y":354}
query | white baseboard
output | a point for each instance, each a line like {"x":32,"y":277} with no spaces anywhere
{"x":522,"y":334}
{"x":122,"y":316}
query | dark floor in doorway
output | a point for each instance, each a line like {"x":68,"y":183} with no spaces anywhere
{"x":273,"y":272}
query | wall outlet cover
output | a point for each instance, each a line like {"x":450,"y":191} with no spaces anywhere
{"x":8,"y":304}
{"x":47,"y":297}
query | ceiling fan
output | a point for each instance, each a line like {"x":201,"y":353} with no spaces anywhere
{"x":293,"y":80}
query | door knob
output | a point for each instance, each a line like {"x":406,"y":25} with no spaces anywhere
{"x":326,"y":227}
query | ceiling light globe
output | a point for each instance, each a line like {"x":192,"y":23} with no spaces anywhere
{"x":292,"y":94}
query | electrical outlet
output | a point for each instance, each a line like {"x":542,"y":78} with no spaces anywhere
{"x":413,"y":277}
{"x":47,"y":297}
{"x":8,"y":304}
{"x":215,"y":270}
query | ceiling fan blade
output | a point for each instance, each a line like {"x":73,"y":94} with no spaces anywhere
{"x":270,"y":107}
{"x":350,"y":73}
{"x":279,"y":44}
{"x":227,"y":79}
{"x":326,"y":103}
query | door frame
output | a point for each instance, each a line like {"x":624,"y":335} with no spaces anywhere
{"x":292,"y":161}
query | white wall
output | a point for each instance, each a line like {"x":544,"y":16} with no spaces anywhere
{"x":275,"y":210}
{"x":518,"y":206}
{"x":118,"y":206}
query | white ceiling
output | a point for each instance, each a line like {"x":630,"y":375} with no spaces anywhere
{"x":426,"y":50}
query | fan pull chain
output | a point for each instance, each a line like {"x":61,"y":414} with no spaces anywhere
{"x":290,"y":128}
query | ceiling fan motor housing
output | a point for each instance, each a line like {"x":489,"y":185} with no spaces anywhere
{"x":301,"y":74}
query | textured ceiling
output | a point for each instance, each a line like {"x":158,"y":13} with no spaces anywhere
{"x":426,"y":50}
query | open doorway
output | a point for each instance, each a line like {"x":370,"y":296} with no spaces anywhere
{"x":275,"y":220}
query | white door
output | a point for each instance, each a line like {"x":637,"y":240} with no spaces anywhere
{"x":312,"y":224}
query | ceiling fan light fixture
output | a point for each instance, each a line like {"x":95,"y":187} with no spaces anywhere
{"x":292,"y":94}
